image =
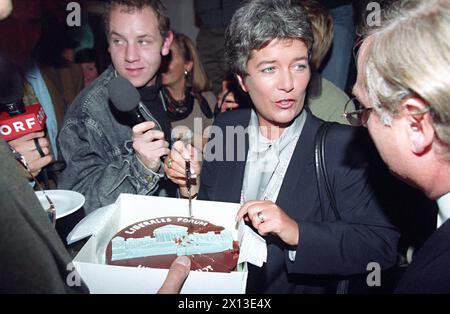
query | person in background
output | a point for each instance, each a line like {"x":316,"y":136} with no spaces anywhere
{"x":33,"y":258}
{"x":86,"y":59}
{"x":105,"y":151}
{"x":52,"y":57}
{"x":271,"y":172}
{"x":406,"y":111}
{"x":336,"y":66}
{"x":212,"y":17}
{"x":325,"y":99}
{"x":187,"y":94}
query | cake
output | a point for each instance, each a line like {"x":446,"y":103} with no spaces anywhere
{"x":156,"y":242}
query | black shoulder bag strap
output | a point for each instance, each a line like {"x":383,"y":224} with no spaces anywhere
{"x":326,"y":193}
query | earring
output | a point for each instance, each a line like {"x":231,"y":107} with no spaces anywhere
{"x":186,"y":72}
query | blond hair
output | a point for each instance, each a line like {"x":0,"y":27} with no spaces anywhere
{"x":322,"y":28}
{"x":409,"y":55}
{"x":197,"y":78}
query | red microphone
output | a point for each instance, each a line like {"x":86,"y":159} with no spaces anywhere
{"x":16,"y":119}
{"x":32,"y":120}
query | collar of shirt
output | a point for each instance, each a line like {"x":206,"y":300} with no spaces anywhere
{"x":258,"y":143}
{"x":444,"y":209}
{"x":264,"y":156}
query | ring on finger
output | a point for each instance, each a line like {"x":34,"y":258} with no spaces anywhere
{"x":260,"y":217}
{"x":169,"y":163}
{"x":38,"y":147}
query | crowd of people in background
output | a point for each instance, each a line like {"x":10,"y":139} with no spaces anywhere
{"x":281,"y":70}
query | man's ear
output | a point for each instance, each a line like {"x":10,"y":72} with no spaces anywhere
{"x":166,"y":44}
{"x":241,"y":83}
{"x":420,"y":125}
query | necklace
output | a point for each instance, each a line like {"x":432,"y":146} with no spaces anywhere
{"x":177,"y":109}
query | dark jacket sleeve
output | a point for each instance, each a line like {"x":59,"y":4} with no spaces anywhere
{"x":32,"y":257}
{"x":91,"y":169}
{"x":364,"y":233}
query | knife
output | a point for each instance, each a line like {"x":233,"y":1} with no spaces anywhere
{"x":188,"y":185}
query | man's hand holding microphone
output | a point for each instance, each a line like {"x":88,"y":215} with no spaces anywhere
{"x":149,"y":145}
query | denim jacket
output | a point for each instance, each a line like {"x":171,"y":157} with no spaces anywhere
{"x":98,"y":151}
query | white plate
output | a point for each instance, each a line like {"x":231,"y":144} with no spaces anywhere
{"x":66,"y":202}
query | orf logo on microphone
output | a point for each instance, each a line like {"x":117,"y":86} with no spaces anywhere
{"x":33,"y":120}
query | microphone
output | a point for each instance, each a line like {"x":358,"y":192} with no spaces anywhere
{"x":11,"y":89}
{"x":125,"y":98}
{"x":16,"y":119}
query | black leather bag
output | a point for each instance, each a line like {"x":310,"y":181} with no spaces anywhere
{"x":355,"y":283}
{"x":326,"y":193}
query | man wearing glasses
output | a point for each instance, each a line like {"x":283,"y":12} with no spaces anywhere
{"x":404,"y":89}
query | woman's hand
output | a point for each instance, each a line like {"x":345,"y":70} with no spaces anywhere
{"x":267,"y":217}
{"x":175,"y":167}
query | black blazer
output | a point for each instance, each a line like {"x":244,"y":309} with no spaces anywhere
{"x":429,"y":271}
{"x":328,"y":248}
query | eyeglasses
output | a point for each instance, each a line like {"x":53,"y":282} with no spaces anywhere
{"x":356,"y":117}
{"x":51,"y":211}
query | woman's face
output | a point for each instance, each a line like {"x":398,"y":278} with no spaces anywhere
{"x":90,"y":72}
{"x":176,"y":68}
{"x":278,"y":76}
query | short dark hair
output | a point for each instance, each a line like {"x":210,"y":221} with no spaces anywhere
{"x":257,"y":23}
{"x":138,"y":5}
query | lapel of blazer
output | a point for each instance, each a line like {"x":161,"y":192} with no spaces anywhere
{"x":300,"y":172}
{"x":432,"y":248}
{"x":234,"y":170}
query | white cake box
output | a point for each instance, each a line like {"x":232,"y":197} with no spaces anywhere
{"x":129,"y":209}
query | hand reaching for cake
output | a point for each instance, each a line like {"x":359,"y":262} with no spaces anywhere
{"x":178,"y":273}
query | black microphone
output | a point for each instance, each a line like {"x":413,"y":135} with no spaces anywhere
{"x":125,"y":98}
{"x":11,"y":89}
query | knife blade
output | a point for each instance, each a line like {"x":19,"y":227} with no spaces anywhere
{"x":188,"y":184}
